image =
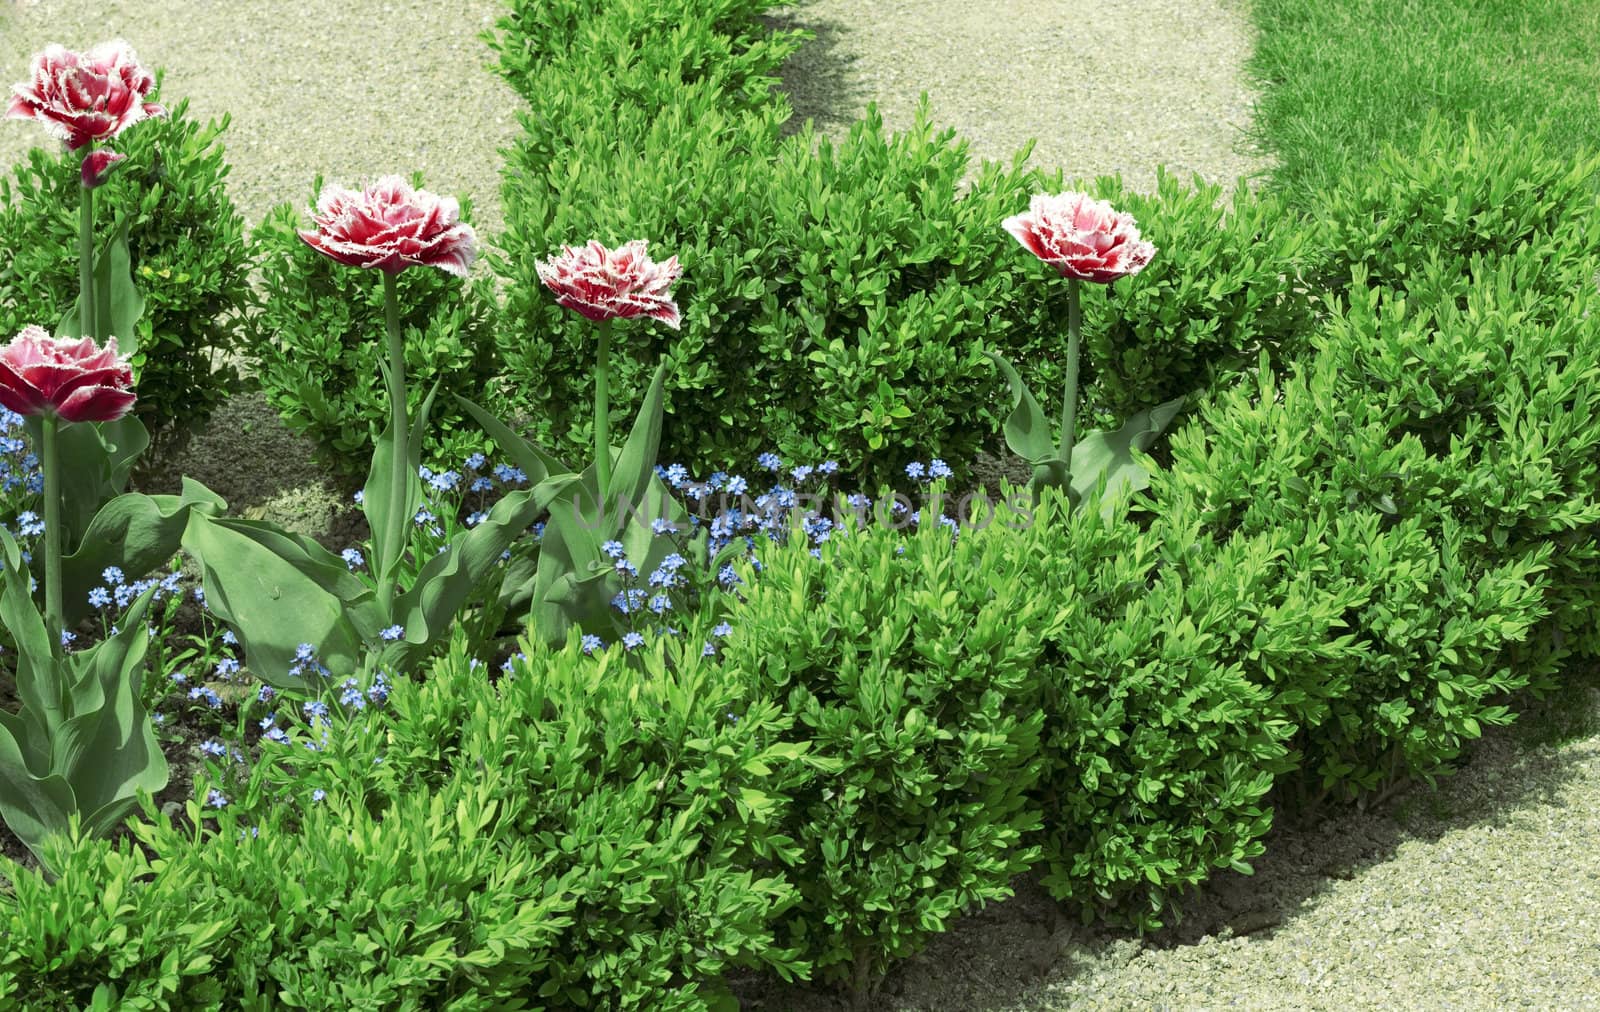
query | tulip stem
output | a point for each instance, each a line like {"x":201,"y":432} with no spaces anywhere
{"x":602,"y":412}
{"x":1069,"y":409}
{"x":400,"y":426}
{"x":48,"y":460}
{"x":88,"y":326}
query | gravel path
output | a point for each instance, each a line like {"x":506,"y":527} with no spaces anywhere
{"x":1483,"y":895}
{"x":350,"y":89}
{"x":1103,"y":85}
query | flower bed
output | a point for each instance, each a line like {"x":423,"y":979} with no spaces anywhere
{"x":599,"y":734}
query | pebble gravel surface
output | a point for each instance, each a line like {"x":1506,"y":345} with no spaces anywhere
{"x":1484,"y":894}
{"x":351,"y":89}
{"x":1102,"y":86}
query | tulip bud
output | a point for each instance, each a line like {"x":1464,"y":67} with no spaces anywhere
{"x":97,"y":166}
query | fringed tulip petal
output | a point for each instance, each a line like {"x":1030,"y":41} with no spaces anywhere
{"x":389,"y":227}
{"x":1081,"y":237}
{"x":84,"y":98}
{"x":618,"y":284}
{"x":75,"y":379}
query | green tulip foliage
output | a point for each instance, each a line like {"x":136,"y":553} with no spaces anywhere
{"x":1083,"y":240}
{"x":573,"y":581}
{"x":1110,"y":458}
{"x":618,"y":497}
{"x":279,"y":590}
{"x":137,"y":532}
{"x":102,"y":453}
{"x":81,"y":747}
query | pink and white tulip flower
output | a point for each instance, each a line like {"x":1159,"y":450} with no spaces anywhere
{"x":389,"y":226}
{"x":76,"y":380}
{"x":85,"y":98}
{"x":1081,"y":237}
{"x":617,"y":284}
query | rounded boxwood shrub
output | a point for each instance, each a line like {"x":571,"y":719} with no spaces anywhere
{"x":1457,"y":194}
{"x":1427,"y":654}
{"x":907,"y":661}
{"x":661,"y":47}
{"x":1158,"y":748}
{"x":838,"y":299}
{"x":186,"y":243}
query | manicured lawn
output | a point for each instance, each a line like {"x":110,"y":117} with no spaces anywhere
{"x":1340,"y":78}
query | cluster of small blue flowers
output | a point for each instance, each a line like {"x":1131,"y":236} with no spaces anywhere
{"x":455,"y":498}
{"x":635,"y":601}
{"x":117,"y":590}
{"x":19,"y":465}
{"x":799,"y":498}
{"x":935,"y":470}
{"x":306,"y":663}
{"x":20,"y":481}
{"x":316,"y":715}
{"x":724,"y":506}
{"x":29,"y":525}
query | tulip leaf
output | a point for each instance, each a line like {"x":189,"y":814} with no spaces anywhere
{"x":82,"y":745}
{"x":390,"y":518}
{"x":534,"y":462}
{"x":577,"y":601}
{"x":108,"y":750}
{"x":277,"y":591}
{"x":34,"y":805}
{"x":101,"y":456}
{"x":120,"y":306}
{"x":516,"y":585}
{"x":521,"y":575}
{"x":573,"y":581}
{"x":643,"y":547}
{"x":134,"y":532}
{"x":636,"y":465}
{"x":445,"y":583}
{"x":1111,"y":458}
{"x":568,"y":551}
{"x":35,"y":666}
{"x":1027,"y":430}
{"x":378,"y":501}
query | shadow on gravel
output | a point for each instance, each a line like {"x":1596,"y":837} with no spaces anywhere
{"x":263,"y":471}
{"x":1002,"y":959}
{"x":818,"y":78}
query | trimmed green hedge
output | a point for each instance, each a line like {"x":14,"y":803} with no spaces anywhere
{"x":1372,"y":538}
{"x":581,"y":834}
{"x":907,"y":662}
{"x":837,"y":298}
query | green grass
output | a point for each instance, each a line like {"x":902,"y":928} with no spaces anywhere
{"x":1340,"y":78}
